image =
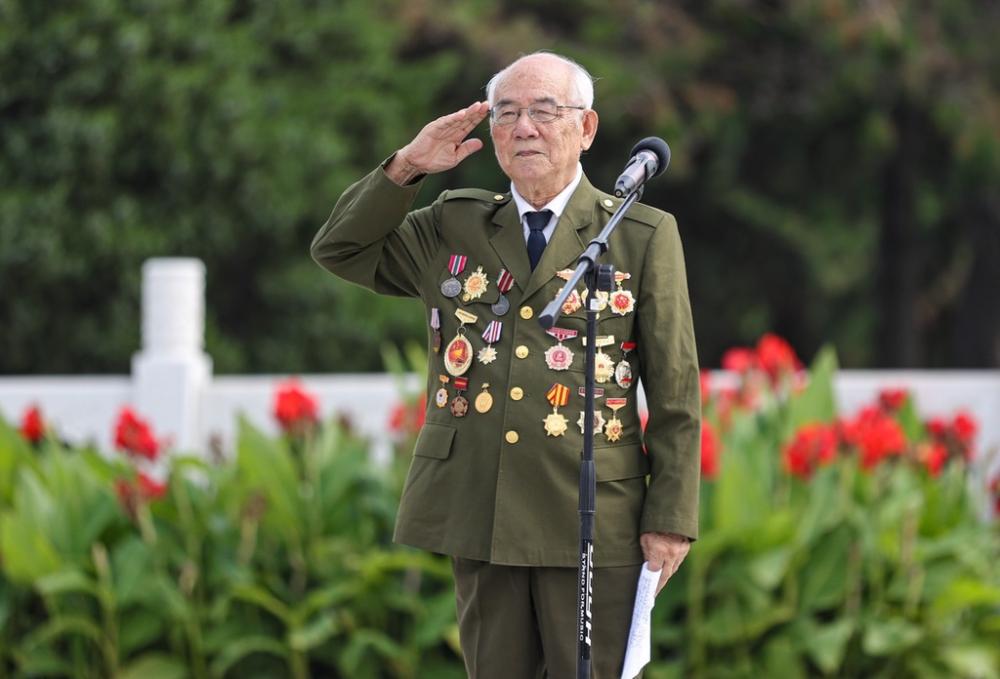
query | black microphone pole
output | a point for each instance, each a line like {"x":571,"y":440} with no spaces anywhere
{"x":600,"y":277}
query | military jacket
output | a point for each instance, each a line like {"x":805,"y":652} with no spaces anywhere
{"x":500,"y":485}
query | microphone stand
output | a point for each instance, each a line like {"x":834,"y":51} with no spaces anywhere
{"x":599,"y":277}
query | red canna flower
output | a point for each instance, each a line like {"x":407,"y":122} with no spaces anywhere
{"x":710,"y":451}
{"x":150,"y":488}
{"x":32,"y":425}
{"x":937,"y":427}
{"x":933,"y":456}
{"x":875,"y":435}
{"x":143,"y":489}
{"x":892,"y":400}
{"x":965,"y":427}
{"x":776,"y":357}
{"x":739,"y":359}
{"x":134,"y":436}
{"x":812,"y":445}
{"x":294,"y":408}
{"x":406,"y":419}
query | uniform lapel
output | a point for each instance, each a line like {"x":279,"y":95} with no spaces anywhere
{"x":508,"y":242}
{"x":565,"y":245}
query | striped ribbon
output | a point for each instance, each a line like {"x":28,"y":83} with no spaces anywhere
{"x":504,"y":281}
{"x":558,"y":395}
{"x":492,"y":332}
{"x":456,"y":264}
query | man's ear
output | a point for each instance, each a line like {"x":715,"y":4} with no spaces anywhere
{"x":590,"y":121}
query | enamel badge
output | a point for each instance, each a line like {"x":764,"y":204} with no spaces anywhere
{"x":556,"y":424}
{"x":475,"y":285}
{"x":458,"y":353}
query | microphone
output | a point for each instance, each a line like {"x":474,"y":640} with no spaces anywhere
{"x":648,"y":159}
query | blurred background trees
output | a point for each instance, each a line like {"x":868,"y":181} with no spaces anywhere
{"x":834,"y":167}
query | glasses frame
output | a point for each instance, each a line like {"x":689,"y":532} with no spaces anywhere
{"x":527,"y":109}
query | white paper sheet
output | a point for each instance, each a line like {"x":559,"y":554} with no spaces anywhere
{"x":639,"y":640}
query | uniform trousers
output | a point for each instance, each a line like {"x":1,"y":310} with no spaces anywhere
{"x":519,"y":622}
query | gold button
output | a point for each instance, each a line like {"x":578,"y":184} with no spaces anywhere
{"x":608,"y":203}
{"x":498,"y":197}
{"x":526,"y":312}
{"x":512,"y":436}
{"x":517,"y":393}
{"x":521,"y":351}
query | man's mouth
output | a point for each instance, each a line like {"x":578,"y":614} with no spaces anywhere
{"x":526,"y":154}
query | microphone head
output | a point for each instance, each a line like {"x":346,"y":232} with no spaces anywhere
{"x":657,"y":147}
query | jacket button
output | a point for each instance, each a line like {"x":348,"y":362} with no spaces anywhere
{"x":512,"y":436}
{"x":517,"y":393}
{"x":526,"y":312}
{"x":521,"y":351}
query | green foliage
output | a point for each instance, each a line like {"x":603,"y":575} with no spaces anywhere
{"x":806,"y":137}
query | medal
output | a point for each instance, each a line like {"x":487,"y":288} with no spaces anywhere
{"x":475,"y":285}
{"x":598,"y":422}
{"x":484,"y":401}
{"x":623,"y":371}
{"x":573,"y":301}
{"x":458,"y":353}
{"x":604,"y":367}
{"x":436,"y":327}
{"x":504,"y":282}
{"x":556,"y":424}
{"x":614,"y":428}
{"x":460,"y":404}
{"x":491,"y":335}
{"x":621,"y":301}
{"x":441,"y":397}
{"x":601,"y":297}
{"x":559,"y":357}
{"x":456,"y":265}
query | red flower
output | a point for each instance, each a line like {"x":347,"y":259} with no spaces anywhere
{"x":965,"y":428}
{"x":406,"y":419}
{"x":143,"y":489}
{"x":937,"y":427}
{"x":813,"y":445}
{"x":705,"y":384}
{"x":875,"y":434}
{"x":739,"y":359}
{"x":135,"y":436}
{"x":294,"y":408}
{"x":32,"y":425}
{"x":150,"y":488}
{"x":776,"y":356}
{"x":892,"y":400}
{"x":710,"y":450}
{"x":934,"y":456}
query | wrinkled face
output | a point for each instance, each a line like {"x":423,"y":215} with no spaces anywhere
{"x":540,"y":158}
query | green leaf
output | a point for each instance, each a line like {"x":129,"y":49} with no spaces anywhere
{"x":155,"y":666}
{"x":315,"y":633}
{"x":980,"y":661}
{"x":827,"y":644}
{"x":890,"y":637}
{"x":237,"y":650}
{"x":260,"y":597}
{"x":66,"y":581}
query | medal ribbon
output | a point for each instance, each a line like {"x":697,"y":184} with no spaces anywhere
{"x":456,"y":264}
{"x":628,"y":346}
{"x":607,"y":340}
{"x":615,"y":403}
{"x":598,"y":392}
{"x":562,"y":334}
{"x":492,"y":332}
{"x":461,"y":383}
{"x":621,"y":276}
{"x":435,"y":318}
{"x":504,"y":281}
{"x":465,"y":316}
{"x":558,"y":395}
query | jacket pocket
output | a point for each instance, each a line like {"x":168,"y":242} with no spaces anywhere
{"x":622,"y":461}
{"x":434,"y":441}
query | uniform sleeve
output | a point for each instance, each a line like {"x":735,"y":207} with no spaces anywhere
{"x":669,"y":373}
{"x":373,"y":240}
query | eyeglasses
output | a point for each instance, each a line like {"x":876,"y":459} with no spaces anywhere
{"x":539,"y":113}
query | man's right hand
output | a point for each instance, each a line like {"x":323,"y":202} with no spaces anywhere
{"x":439,"y":146}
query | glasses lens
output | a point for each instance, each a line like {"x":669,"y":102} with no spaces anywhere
{"x":543,"y":114}
{"x":505,"y":116}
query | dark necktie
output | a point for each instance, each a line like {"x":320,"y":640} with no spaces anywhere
{"x":536,"y":239}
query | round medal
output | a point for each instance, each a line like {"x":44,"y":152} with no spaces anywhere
{"x":501,"y":306}
{"x":602,"y":299}
{"x":604,"y":367}
{"x":622,"y":302}
{"x":572,"y":303}
{"x":476,"y":284}
{"x":459,"y":406}
{"x":484,"y":401}
{"x":451,"y":287}
{"x":558,"y":357}
{"x":623,"y":374}
{"x":458,"y":356}
{"x":441,"y":398}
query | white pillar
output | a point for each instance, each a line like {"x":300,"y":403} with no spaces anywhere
{"x":171,"y":373}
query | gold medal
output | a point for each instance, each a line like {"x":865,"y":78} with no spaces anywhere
{"x":559,"y":357}
{"x":613,"y":429}
{"x":475,"y":285}
{"x":556,"y":424}
{"x":460,"y":404}
{"x":604,"y":367}
{"x":621,"y":301}
{"x":602,"y":299}
{"x":441,"y":397}
{"x":458,"y":353}
{"x":484,"y":401}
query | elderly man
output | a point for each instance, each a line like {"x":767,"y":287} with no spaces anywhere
{"x":494,"y":483}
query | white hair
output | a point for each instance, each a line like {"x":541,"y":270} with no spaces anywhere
{"x":583,"y":83}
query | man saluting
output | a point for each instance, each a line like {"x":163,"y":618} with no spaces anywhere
{"x":495,"y":472}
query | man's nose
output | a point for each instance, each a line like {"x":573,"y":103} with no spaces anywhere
{"x":525,"y":127}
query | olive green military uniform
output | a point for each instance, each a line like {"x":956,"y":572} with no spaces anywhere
{"x":495,"y":486}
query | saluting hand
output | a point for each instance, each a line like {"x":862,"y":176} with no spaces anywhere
{"x":439,"y":146}
{"x":664,"y":551}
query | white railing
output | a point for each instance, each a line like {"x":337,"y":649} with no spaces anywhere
{"x":173,"y":386}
